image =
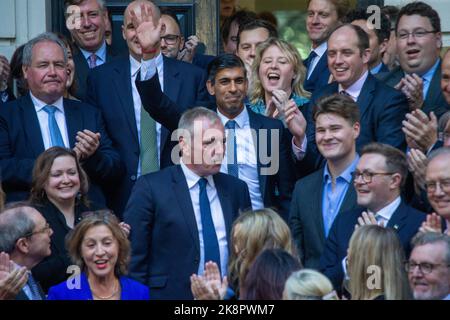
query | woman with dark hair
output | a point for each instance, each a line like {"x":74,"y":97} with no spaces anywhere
{"x":16,"y":80}
{"x":59,"y":189}
{"x":100,"y":248}
{"x":71,"y":85}
{"x":268,"y":274}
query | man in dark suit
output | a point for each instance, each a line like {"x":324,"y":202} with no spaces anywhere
{"x":320,"y":196}
{"x":43,"y":118}
{"x":181,"y":216}
{"x":260,"y":154}
{"x":25,"y":236}
{"x":382,"y":109}
{"x":419,"y":42}
{"x":323,"y":17}
{"x":89,"y":35}
{"x":378,"y":179}
{"x":112,"y":88}
{"x":378,"y":36}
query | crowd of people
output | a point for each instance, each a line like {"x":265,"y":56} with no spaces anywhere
{"x":164,"y":173}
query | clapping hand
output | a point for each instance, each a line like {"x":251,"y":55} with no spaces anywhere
{"x":412,"y":88}
{"x":432,"y":224}
{"x":210,"y":286}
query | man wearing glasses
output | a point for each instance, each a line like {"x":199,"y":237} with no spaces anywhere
{"x":144,"y":145}
{"x":419,"y":42}
{"x":428,"y":267}
{"x":25,"y":236}
{"x":378,"y":180}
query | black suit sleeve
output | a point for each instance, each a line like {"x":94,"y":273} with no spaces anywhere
{"x":295,"y":222}
{"x":157,"y":104}
{"x":139,"y":215}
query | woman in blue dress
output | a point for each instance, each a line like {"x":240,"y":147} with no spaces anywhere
{"x":99,"y":247}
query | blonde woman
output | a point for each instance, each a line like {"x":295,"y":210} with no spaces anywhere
{"x":376,"y":265}
{"x":308,"y":284}
{"x":277,"y":77}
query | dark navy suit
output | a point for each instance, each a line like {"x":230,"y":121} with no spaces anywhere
{"x":276,"y":189}
{"x":82,"y":70}
{"x":109,"y":88}
{"x":164,"y":237}
{"x":405,"y":220}
{"x":21,"y":143}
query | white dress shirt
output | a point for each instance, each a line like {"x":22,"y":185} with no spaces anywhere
{"x":355,"y":89}
{"x":320,"y":51}
{"x":43,"y":120}
{"x":146,"y":67}
{"x":246,"y":156}
{"x":217,"y":216}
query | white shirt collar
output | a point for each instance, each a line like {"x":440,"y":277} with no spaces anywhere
{"x":134,"y":66}
{"x":39,"y":104}
{"x":320,"y":50}
{"x":387,"y":212}
{"x":192,"y":178}
{"x":355,"y":89}
{"x":242,"y":119}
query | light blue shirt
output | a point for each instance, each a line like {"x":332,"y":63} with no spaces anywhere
{"x":246,"y":156}
{"x":376,"y":69}
{"x":216,"y":213}
{"x":427,"y":77}
{"x":332,"y":199}
{"x":100,"y":53}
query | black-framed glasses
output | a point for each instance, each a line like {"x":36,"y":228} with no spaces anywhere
{"x":419,"y":33}
{"x":367,"y":176}
{"x":425,"y":267}
{"x":431,"y":186}
{"x":45,"y":229}
{"x":170,"y":38}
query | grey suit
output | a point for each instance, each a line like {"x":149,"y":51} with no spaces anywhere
{"x":306,"y":220}
{"x":434,"y":100}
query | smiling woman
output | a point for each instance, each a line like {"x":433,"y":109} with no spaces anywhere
{"x":59,"y":189}
{"x":100,"y":248}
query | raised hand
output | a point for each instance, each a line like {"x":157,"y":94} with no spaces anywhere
{"x":432,"y":224}
{"x":417,"y":165}
{"x":368,"y":218}
{"x":188,"y":53}
{"x":295,"y":122}
{"x":87,"y":143}
{"x":420,"y":130}
{"x":148,"y":30}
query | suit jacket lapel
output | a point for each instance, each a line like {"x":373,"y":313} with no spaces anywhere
{"x":74,"y":121}
{"x":349,"y":199}
{"x":366,"y":95}
{"x":399,"y":217}
{"x":316,"y":204}
{"x":181,"y":192}
{"x":227,"y":210}
{"x":434,"y":90}
{"x":255,"y":125}
{"x":122,"y":82}
{"x":32,"y":128}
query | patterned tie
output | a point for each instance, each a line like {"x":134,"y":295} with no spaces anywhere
{"x":149,"y":146}
{"x":232,"y":164}
{"x":92,"y":61}
{"x":307,"y":62}
{"x":34,"y":289}
{"x":210,"y":242}
{"x":55,"y":133}
{"x":345,"y":93}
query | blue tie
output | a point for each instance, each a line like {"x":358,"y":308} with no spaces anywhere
{"x":35,"y":293}
{"x":210,"y":242}
{"x":55,"y":134}
{"x":307,"y":61}
{"x":232,"y":164}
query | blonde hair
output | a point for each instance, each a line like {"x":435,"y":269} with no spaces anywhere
{"x":294,"y":59}
{"x":375,"y":248}
{"x":307,"y":284}
{"x":252,"y":232}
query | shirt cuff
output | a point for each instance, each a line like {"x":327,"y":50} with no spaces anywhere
{"x":148,"y":69}
{"x":299,"y":153}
